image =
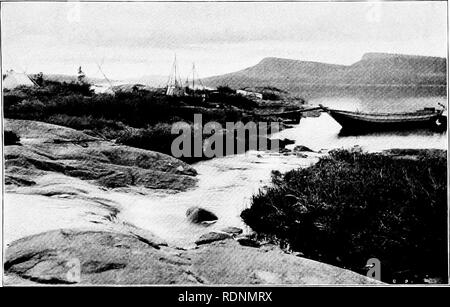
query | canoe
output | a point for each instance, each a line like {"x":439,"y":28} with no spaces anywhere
{"x":428,"y":118}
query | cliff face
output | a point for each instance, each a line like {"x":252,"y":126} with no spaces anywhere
{"x":373,"y":69}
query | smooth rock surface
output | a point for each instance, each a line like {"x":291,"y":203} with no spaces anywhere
{"x":116,"y":258}
{"x":212,"y":237}
{"x":50,"y":148}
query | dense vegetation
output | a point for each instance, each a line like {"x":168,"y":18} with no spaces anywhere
{"x":10,"y":138}
{"x":138,"y":118}
{"x":352,"y":206}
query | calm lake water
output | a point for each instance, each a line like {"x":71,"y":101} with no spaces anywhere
{"x":323,"y":132}
{"x":387,"y":103}
{"x":227,"y":184}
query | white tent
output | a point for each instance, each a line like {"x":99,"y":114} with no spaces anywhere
{"x":14,"y":79}
{"x":200,"y":87}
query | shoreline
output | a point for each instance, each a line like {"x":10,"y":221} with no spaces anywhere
{"x":64,"y":210}
{"x":100,"y":265}
{"x":86,"y":209}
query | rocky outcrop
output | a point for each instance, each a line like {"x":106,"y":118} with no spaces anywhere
{"x":232,"y":230}
{"x":100,"y":257}
{"x":300,"y":148}
{"x":47,"y":148}
{"x":212,"y":237}
{"x":56,"y":179}
{"x":247,"y":241}
{"x":93,"y":257}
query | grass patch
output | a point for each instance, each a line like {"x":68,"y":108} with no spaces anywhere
{"x":352,"y":206}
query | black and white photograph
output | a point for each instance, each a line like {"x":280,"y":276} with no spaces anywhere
{"x":202,"y":143}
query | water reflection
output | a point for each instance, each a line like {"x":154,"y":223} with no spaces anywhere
{"x":387,"y":134}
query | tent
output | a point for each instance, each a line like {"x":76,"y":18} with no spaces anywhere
{"x":14,"y":79}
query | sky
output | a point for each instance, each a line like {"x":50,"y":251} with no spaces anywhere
{"x":135,"y":39}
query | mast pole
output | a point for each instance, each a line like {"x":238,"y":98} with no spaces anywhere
{"x":175,"y":70}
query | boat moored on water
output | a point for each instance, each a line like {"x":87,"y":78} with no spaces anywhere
{"x":428,"y":118}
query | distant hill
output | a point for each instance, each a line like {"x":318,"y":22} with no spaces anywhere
{"x":382,"y":68}
{"x":374,"y":69}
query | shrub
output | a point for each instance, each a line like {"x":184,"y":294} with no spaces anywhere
{"x":106,"y":128}
{"x":352,"y":206}
{"x":136,"y":109}
{"x":234,"y":99}
{"x":156,"y":138}
{"x":225,"y":90}
{"x":11,"y":138}
{"x":140,"y":118}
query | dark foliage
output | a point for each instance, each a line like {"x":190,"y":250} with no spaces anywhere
{"x":352,"y":206}
{"x":233,"y":99}
{"x":139,"y":118}
{"x":225,"y":90}
{"x":38,"y":78}
{"x":271,"y":96}
{"x":136,"y":109}
{"x":156,"y":138}
{"x":10,"y":138}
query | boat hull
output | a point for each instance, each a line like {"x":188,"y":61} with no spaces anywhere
{"x":359,"y":122}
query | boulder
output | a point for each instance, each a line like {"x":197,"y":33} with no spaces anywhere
{"x":212,"y":237}
{"x":300,"y":148}
{"x":232,"y":230}
{"x":199,"y":215}
{"x":301,"y":155}
{"x":228,"y":262}
{"x":246,"y":241}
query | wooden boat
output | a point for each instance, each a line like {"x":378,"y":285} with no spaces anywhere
{"x":428,"y":118}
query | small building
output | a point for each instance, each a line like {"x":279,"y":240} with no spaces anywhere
{"x":200,"y":87}
{"x":248,"y":93}
{"x":14,"y":79}
{"x":102,"y":89}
